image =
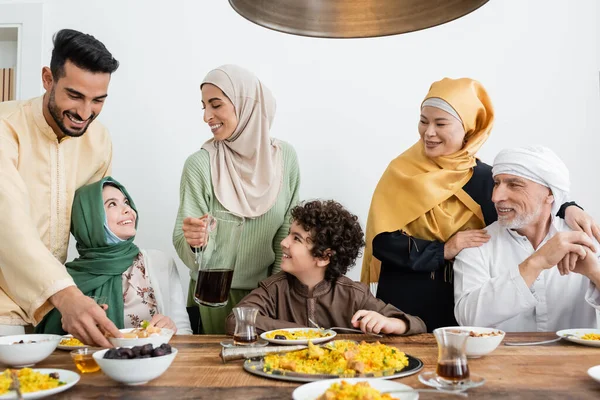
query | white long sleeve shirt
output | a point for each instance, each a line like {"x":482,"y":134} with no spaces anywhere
{"x":489,"y":290}
{"x":164,"y":278}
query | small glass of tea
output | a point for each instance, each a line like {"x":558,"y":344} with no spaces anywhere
{"x":245,"y":330}
{"x":452,"y":368}
{"x":84,"y":361}
{"x":245,"y":321}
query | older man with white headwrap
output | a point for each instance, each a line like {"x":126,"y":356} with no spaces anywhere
{"x":512,"y":282}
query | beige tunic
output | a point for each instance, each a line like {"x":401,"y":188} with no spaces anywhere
{"x":38,"y":179}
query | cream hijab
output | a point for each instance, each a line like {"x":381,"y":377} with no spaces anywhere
{"x":247,"y":168}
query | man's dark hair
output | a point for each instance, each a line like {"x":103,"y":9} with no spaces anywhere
{"x":334,"y":232}
{"x":83,"y":50}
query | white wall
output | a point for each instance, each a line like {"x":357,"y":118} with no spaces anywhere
{"x":27,"y":16}
{"x":348,"y":106}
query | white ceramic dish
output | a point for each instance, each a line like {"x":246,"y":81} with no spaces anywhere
{"x":65,"y":347}
{"x":480,"y":346}
{"x":577,"y":334}
{"x":594,"y":373}
{"x":313,"y":390}
{"x":299,"y":341}
{"x":136,"y":371}
{"x":69,"y":377}
{"x":155,"y":339}
{"x":26,"y":354}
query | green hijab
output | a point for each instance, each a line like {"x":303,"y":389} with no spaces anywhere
{"x":98,"y":270}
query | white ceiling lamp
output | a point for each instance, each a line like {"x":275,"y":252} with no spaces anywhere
{"x":352,"y":18}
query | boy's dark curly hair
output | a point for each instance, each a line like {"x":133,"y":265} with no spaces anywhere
{"x":334,"y":231}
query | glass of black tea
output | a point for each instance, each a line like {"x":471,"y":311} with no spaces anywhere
{"x":217,"y":259}
{"x":452,"y":368}
{"x":245,"y":321}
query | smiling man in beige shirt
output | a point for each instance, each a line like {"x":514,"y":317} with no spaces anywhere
{"x":49,"y":147}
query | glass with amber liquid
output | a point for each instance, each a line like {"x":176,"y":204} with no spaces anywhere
{"x":84,"y":361}
{"x":245,"y":321}
{"x":452,"y":365}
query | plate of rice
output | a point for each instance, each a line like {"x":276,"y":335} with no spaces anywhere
{"x":68,"y":342}
{"x":37,"y":383}
{"x":586,"y":337}
{"x":337,"y":359}
{"x":298,"y":336}
{"x":361,"y":388}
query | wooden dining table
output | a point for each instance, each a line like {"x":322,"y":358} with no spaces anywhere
{"x":552,"y":371}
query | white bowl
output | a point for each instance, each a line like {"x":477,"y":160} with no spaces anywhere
{"x":594,"y":373}
{"x":136,"y":371}
{"x":26,"y":354}
{"x":313,"y":390}
{"x":480,"y":346}
{"x":155,"y":340}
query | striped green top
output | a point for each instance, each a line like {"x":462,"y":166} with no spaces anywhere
{"x":260,"y":251}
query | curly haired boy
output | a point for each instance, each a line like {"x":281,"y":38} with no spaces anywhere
{"x":323,"y":243}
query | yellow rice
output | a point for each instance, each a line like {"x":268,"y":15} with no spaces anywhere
{"x":347,"y":391}
{"x":341,"y":357}
{"x":71,"y":342}
{"x":591,"y":336}
{"x":298,"y":335}
{"x":30,"y":381}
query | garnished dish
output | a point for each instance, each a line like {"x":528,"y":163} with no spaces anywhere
{"x":143,"y":335}
{"x":36,"y":383}
{"x":485,"y":334}
{"x":19,"y":351}
{"x":481,"y":341}
{"x":340,"y":358}
{"x":68,"y":342}
{"x":144,"y":331}
{"x":358,"y":391}
{"x":298,"y":336}
{"x":71,"y":341}
{"x":354,"y":389}
{"x":301,"y":334}
{"x":591,"y":336}
{"x":29,"y":380}
{"x":586,"y":337}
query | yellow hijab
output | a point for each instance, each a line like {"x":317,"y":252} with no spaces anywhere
{"x":424,"y":197}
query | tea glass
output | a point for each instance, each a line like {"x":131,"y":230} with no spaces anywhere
{"x":84,"y":361}
{"x":245,"y":329}
{"x":452,"y":368}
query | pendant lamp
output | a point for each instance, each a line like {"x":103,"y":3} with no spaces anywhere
{"x":352,"y":18}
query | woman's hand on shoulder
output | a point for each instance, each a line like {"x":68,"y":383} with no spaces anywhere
{"x":464,"y":239}
{"x":579,"y":220}
{"x":194,"y":231}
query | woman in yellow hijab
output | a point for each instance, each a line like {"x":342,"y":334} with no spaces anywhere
{"x":433,"y":201}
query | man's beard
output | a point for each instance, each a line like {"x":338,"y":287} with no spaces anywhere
{"x":56,"y":114}
{"x":522,"y":220}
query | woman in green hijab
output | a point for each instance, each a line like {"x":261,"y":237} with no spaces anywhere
{"x":137,"y":284}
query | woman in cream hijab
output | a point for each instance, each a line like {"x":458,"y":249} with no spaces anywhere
{"x":433,"y":201}
{"x":242,"y":169}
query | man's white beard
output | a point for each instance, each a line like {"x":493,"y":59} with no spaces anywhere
{"x":520,"y":221}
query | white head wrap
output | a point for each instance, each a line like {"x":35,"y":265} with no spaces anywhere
{"x":538,"y":164}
